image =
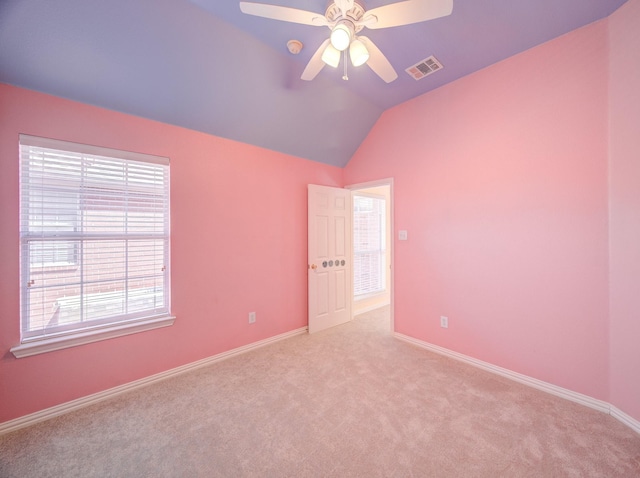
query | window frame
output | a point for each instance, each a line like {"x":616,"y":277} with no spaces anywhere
{"x":96,"y":328}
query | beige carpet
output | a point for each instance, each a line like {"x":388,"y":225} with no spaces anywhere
{"x":351,"y":401}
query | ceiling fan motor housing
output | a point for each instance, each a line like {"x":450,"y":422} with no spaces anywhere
{"x":333,"y":14}
{"x":344,"y":23}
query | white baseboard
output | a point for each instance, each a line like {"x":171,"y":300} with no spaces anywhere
{"x":626,"y":419}
{"x":529,"y":381}
{"x":67,"y":407}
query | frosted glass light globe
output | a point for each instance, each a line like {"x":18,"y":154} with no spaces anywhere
{"x":341,"y":37}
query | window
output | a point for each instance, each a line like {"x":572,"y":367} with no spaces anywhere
{"x":369,"y":245}
{"x":94,"y":241}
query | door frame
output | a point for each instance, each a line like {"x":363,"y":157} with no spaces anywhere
{"x":373,"y":184}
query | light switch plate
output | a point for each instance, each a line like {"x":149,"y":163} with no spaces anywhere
{"x":403,"y":235}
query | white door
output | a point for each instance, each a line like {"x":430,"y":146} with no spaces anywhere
{"x":329,"y":255}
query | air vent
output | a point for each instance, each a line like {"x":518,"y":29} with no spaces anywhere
{"x":424,"y":68}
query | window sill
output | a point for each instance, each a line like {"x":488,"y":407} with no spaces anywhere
{"x":62,"y":342}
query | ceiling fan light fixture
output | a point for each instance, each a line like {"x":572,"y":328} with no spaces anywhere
{"x":342,"y":34}
{"x":331,"y":56}
{"x":358,"y":53}
{"x":346,"y":17}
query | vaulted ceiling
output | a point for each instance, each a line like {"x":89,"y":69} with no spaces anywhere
{"x":204,"y":65}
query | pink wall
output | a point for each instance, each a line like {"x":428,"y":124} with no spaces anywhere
{"x":500,"y":179}
{"x":239,"y":226}
{"x":624,"y":171}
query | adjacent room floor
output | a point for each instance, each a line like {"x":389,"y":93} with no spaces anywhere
{"x":350,"y":401}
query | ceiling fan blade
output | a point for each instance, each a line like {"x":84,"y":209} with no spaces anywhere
{"x":405,"y":13}
{"x":315,"y":64}
{"x":285,"y":14}
{"x":378,"y":62}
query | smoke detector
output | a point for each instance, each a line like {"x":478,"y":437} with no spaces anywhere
{"x":294,"y":46}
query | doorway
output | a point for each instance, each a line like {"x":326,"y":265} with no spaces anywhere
{"x":372,"y":250}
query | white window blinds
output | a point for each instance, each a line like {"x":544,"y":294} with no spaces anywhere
{"x":369,"y":238}
{"x":94,"y":237}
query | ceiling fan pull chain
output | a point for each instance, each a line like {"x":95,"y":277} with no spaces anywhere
{"x":345,"y":77}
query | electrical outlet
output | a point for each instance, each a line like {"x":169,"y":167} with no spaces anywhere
{"x":444,"y":322}
{"x":252,"y":317}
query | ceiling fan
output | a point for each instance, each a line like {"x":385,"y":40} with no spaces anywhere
{"x":346,"y":18}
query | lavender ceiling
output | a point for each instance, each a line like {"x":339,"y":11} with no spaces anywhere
{"x":204,"y":65}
